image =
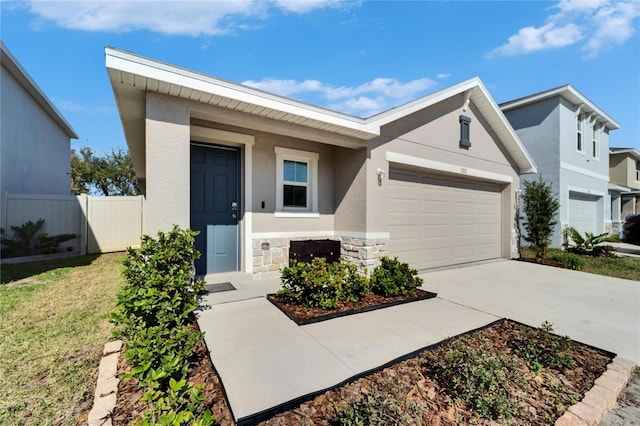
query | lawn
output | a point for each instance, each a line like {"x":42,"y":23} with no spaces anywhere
{"x":55,"y":320}
{"x":618,"y":267}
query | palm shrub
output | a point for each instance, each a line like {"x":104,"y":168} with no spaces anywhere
{"x":540,"y":206}
{"x":587,"y":244}
{"x":28,"y":240}
{"x":394,"y":278}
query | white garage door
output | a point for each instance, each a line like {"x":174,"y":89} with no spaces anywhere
{"x":583,"y":212}
{"x":439,"y":221}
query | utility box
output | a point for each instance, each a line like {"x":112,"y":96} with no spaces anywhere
{"x":306,"y":251}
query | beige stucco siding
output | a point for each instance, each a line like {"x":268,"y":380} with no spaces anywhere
{"x":350,"y":190}
{"x":622,"y":170}
{"x":167,"y":164}
{"x":434,"y":135}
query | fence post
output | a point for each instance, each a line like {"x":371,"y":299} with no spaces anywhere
{"x":4,"y":198}
{"x":84,"y":221}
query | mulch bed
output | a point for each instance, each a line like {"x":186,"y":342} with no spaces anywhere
{"x":543,"y":399}
{"x":547,"y":262}
{"x":302,"y":315}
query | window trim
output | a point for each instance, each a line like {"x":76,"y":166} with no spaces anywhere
{"x":311,"y":158}
{"x":580,"y":145}
{"x":595,"y":142}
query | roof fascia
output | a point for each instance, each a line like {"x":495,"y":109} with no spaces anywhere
{"x":564,"y":91}
{"x":22,"y":76}
{"x":137,"y":65}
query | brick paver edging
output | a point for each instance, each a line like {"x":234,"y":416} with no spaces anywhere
{"x":104,"y":400}
{"x":601,"y":398}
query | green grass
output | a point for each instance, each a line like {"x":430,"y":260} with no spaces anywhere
{"x":618,"y":267}
{"x":55,"y":320}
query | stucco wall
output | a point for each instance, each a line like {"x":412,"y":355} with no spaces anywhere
{"x":622,"y":170}
{"x":35,"y":152}
{"x":434,"y":134}
{"x":167,"y":138}
{"x":350,"y":190}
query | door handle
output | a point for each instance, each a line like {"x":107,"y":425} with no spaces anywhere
{"x":234,"y":206}
{"x":234,"y":216}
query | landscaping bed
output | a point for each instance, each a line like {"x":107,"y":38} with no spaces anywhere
{"x":302,"y":315}
{"x":414,"y":391}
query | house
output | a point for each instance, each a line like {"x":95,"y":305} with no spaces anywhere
{"x":568,"y":137}
{"x":624,"y":185}
{"x":34,"y":137}
{"x":433,"y":181}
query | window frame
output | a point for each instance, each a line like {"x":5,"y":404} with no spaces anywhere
{"x":580,"y":145}
{"x":311,"y":159}
{"x":595,"y":142}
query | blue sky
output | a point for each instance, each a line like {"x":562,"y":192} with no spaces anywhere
{"x":354,"y":57}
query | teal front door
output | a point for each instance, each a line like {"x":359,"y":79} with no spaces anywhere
{"x":215,"y":208}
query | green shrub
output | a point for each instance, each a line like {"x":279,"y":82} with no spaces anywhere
{"x":478,"y":377}
{"x":321,"y":284}
{"x":394,"y":278}
{"x":154,"y":317}
{"x":540,"y":206}
{"x":587,"y":244}
{"x":568,"y":260}
{"x":381,"y":406}
{"x":539,"y":347}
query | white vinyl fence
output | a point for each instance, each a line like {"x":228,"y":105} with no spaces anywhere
{"x":103,"y":224}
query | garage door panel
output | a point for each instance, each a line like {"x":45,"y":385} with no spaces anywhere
{"x":453,"y":221}
{"x":583,"y":212}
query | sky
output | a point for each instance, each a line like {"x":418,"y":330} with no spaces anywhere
{"x":356,"y":57}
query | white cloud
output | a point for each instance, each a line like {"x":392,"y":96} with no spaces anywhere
{"x":443,"y":76}
{"x":71,"y":106}
{"x":192,"y":18}
{"x":365,"y":99}
{"x":600,"y":24}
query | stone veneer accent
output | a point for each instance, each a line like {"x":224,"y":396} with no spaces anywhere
{"x":363,"y":252}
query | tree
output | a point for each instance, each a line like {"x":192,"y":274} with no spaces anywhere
{"x":540,"y":207}
{"x":111,"y":174}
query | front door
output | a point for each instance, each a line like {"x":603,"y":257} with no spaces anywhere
{"x":215,"y":208}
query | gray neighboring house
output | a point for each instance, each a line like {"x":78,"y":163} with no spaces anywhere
{"x":34,"y":136}
{"x":624,"y":185}
{"x":433,"y":181}
{"x":568,"y":137}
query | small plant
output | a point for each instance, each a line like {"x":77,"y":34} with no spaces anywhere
{"x":394,"y":278}
{"x":568,"y":260}
{"x":321,"y":284}
{"x":27,"y":240}
{"x":381,"y":405}
{"x":540,"y":206}
{"x":589,"y":244}
{"x":478,"y":377}
{"x":540,"y":348}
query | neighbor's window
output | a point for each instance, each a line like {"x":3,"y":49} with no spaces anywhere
{"x":296,"y":180}
{"x":465,"y":140}
{"x":579,"y":124}
{"x":594,"y":144}
{"x":638,"y":171}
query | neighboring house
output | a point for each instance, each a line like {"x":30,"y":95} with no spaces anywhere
{"x":433,"y":181}
{"x":624,"y":187}
{"x":568,"y":137}
{"x":34,"y":137}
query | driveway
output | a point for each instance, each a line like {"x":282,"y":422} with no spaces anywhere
{"x":266,"y":361}
{"x":594,"y":309}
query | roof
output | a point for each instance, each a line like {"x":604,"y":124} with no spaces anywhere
{"x":11,"y":64}
{"x":132,"y":76}
{"x":631,"y":151}
{"x":569,"y":93}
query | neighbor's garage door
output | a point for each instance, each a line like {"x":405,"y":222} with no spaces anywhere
{"x":438,"y":221}
{"x":583,"y":212}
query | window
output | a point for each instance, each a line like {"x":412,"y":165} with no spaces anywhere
{"x":594,"y":143}
{"x":579,"y":124}
{"x":638,"y":171}
{"x":296,"y":181}
{"x":465,"y":140}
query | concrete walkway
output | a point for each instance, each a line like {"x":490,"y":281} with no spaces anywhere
{"x":265,"y":360}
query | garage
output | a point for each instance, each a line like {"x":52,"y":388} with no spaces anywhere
{"x":437,"y":220}
{"x":583,"y":212}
